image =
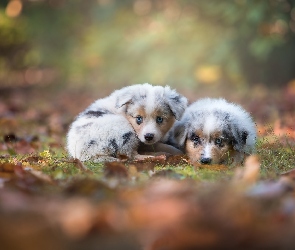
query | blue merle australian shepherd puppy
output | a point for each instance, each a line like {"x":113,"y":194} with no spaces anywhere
{"x":118,"y":124}
{"x":214,"y":131}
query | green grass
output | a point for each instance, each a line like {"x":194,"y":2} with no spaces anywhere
{"x":276,"y":156}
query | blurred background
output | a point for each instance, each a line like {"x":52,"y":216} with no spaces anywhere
{"x":119,"y":42}
{"x":243,"y":50}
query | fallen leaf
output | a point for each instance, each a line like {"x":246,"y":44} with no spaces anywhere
{"x":88,"y":188}
{"x":40,"y":175}
{"x":144,"y":166}
{"x":19,"y":171}
{"x":177,"y":159}
{"x":76,"y":217}
{"x":115,"y":169}
{"x":249,"y":174}
{"x":168,"y":174}
{"x":122,"y":157}
{"x":7,"y":167}
{"x":132,"y":170}
{"x":80,"y":165}
{"x":6,"y":175}
{"x":148,"y":164}
{"x":23,"y":147}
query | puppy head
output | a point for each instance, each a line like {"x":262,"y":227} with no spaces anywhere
{"x":213,"y":148}
{"x":152,"y":110}
{"x":211,"y":138}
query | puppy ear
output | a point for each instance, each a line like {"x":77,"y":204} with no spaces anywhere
{"x":244,"y":136}
{"x":123,"y":99}
{"x":240,"y":138}
{"x":178,"y":133}
{"x":176,"y":102}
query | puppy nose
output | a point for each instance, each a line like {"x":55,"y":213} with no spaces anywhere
{"x":149,"y":136}
{"x":206,"y":160}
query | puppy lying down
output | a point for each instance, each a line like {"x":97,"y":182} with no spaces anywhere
{"x":214,"y":131}
{"x":118,"y":124}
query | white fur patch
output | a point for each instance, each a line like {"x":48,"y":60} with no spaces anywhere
{"x":207,"y":151}
{"x":210,"y":125}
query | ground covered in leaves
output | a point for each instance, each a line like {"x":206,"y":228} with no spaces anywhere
{"x":50,"y":201}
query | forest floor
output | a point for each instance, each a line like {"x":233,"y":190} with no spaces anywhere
{"x":51,"y":201}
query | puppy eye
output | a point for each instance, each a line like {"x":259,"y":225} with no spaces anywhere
{"x":218,"y":141}
{"x":139,"y":119}
{"x":195,"y":138}
{"x":159,"y":119}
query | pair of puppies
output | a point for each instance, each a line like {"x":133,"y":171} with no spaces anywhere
{"x":210,"y":131}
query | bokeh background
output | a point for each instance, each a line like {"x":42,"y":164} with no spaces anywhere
{"x":185,"y":42}
{"x":73,"y":51}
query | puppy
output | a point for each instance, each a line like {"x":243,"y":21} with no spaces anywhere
{"x":214,"y":131}
{"x":118,"y":124}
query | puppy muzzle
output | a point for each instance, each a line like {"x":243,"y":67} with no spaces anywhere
{"x":206,"y":160}
{"x":149,"y":138}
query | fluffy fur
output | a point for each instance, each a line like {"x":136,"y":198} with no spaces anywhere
{"x":117,"y":124}
{"x":214,"y":131}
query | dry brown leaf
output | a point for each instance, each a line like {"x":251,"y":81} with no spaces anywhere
{"x":185,"y":238}
{"x":148,"y":163}
{"x":144,"y":166}
{"x":177,"y":159}
{"x":132,"y":170}
{"x":7,"y":167}
{"x":40,"y":175}
{"x":167,"y":174}
{"x":24,"y":147}
{"x":249,"y":174}
{"x":7,"y":170}
{"x":6,"y":175}
{"x":115,"y":169}
{"x":156,"y":159}
{"x":80,"y":165}
{"x":122,"y":157}
{"x":157,"y":213}
{"x":88,"y":187}
{"x":76,"y":217}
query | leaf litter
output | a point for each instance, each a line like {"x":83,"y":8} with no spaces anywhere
{"x":163,"y":212}
{"x":49,"y":200}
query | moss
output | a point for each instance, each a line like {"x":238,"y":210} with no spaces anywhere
{"x":276,"y":155}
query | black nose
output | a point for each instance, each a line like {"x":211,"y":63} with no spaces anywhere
{"x":206,"y":160}
{"x":149,"y":136}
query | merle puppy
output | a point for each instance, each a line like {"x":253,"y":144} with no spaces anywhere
{"x":118,"y":124}
{"x":214,"y":131}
